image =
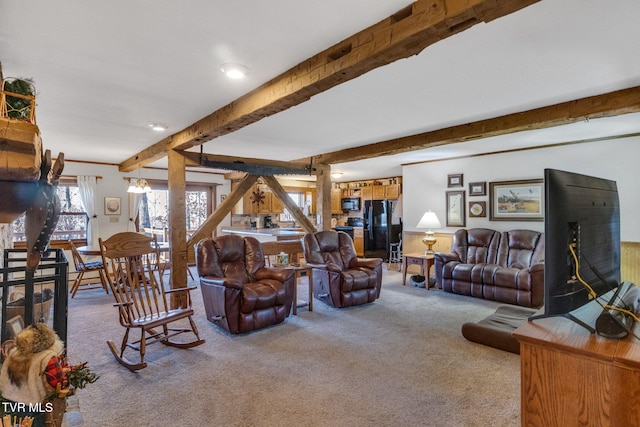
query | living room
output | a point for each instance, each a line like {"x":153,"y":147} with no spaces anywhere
{"x":401,"y":360}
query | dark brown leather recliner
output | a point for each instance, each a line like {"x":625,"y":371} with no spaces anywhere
{"x":340,"y":278}
{"x":239,"y":293}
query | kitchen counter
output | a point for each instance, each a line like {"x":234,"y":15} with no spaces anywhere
{"x":267,"y":234}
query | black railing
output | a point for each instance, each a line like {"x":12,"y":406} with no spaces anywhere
{"x":35,"y":305}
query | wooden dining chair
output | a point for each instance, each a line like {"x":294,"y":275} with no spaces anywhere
{"x":141,"y":300}
{"x":82,"y":268}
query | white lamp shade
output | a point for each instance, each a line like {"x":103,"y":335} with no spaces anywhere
{"x":429,"y":220}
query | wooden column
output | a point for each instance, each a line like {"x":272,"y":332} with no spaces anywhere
{"x":177,"y":224}
{"x":323,"y":191}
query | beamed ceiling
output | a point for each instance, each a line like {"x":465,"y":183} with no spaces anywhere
{"x":364,"y":86}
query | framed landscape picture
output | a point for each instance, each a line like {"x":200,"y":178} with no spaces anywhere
{"x":516,"y":200}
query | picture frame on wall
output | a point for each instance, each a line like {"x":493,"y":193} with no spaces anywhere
{"x":477,"y":209}
{"x":456,"y":216}
{"x":112,"y":206}
{"x":454,"y":180}
{"x":521,"y":200}
{"x":478,"y":188}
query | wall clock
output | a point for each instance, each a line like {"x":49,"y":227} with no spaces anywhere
{"x":477,"y":209}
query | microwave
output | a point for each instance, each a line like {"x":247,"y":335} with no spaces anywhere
{"x":350,"y":204}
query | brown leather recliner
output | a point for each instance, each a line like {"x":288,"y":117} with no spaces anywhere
{"x":340,"y":278}
{"x":239,"y":293}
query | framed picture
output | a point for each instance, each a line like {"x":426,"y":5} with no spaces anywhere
{"x":477,"y":189}
{"x":455,"y":209}
{"x":112,"y":205}
{"x":516,"y":200}
{"x":477,"y":209}
{"x":15,"y":325}
{"x":454,"y":180}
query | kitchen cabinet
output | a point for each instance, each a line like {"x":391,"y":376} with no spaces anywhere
{"x":366,"y":193}
{"x":358,"y":240}
{"x":379,"y":189}
{"x":386,"y":192}
{"x":269,"y":202}
{"x":378,"y":192}
{"x":336,"y":199}
{"x":392,"y":191}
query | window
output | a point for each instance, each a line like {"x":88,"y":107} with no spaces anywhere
{"x":73,"y":220}
{"x":299,"y":199}
{"x":153,"y":215}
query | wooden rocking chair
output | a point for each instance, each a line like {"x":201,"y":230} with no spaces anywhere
{"x":140,"y":298}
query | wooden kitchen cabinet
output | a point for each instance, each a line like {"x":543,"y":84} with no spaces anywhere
{"x":336,"y":201}
{"x":366,"y":193}
{"x":392,"y":191}
{"x":270,"y":202}
{"x":358,"y":240}
{"x":382,"y":192}
{"x":277,"y":207}
{"x":378,"y":192}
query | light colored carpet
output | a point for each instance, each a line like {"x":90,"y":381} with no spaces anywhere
{"x":401,"y":361}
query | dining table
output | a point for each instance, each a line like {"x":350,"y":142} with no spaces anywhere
{"x":94,"y":250}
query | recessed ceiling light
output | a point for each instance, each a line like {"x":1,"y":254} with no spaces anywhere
{"x":158,"y":127}
{"x":234,"y":71}
{"x":336,"y":175}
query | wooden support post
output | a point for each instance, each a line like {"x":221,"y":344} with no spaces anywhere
{"x":177,"y":225}
{"x":323,"y":191}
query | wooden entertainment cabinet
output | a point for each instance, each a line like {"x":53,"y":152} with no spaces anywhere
{"x":570,"y":377}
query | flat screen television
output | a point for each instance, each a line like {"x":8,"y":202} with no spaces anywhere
{"x":583,"y":212}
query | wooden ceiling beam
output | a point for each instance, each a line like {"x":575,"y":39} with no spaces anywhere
{"x":248,"y":165}
{"x":606,"y":105}
{"x":401,"y":35}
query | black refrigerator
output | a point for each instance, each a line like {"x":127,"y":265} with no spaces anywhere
{"x":380,"y":229}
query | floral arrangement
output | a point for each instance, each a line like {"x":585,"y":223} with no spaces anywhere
{"x":73,"y":377}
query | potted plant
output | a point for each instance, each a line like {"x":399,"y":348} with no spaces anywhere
{"x":20,"y":95}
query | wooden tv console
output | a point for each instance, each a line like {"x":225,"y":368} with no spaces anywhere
{"x":570,"y":377}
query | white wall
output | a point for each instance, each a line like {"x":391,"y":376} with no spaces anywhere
{"x":424,"y":185}
{"x":113,"y":184}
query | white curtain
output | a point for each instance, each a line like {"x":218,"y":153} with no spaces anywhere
{"x":88,"y":194}
{"x":134,"y":205}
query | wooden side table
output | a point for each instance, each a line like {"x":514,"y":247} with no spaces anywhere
{"x":301,"y":270}
{"x":424,"y":261}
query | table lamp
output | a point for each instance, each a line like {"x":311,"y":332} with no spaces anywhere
{"x":429,"y":220}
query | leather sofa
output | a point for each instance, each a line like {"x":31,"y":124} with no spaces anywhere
{"x":501,"y":266}
{"x":340,"y":278}
{"x":239,"y":293}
